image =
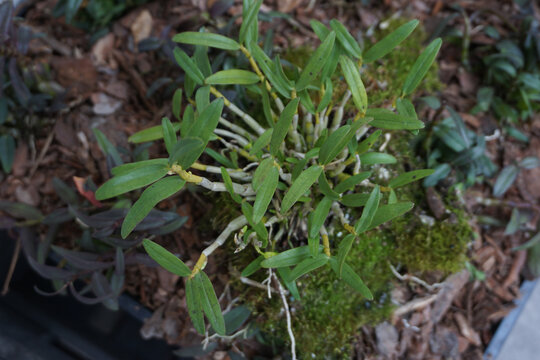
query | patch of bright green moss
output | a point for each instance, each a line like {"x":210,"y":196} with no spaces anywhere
{"x":439,"y":247}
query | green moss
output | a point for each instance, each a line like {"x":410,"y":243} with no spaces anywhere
{"x":330,"y":313}
{"x":439,"y":247}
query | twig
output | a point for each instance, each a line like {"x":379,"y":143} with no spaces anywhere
{"x":288,"y":315}
{"x":14,"y":260}
{"x":415,"y":279}
{"x":42,"y":153}
{"x":256,"y":284}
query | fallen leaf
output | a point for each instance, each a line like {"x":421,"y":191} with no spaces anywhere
{"x":142,"y":26}
{"x":89,"y":195}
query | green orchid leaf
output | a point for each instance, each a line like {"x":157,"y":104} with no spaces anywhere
{"x":169,"y":135}
{"x":151,"y":134}
{"x":408,"y":177}
{"x":316,"y":62}
{"x":282,"y":126}
{"x":345,"y":39}
{"x":300,"y":186}
{"x":265,"y":194}
{"x":356,"y":86}
{"x":307,"y":265}
{"x":194,"y":305}
{"x":232,"y":77}
{"x":351,"y":182}
{"x":206,"y":39}
{"x":188,"y":65}
{"x":186,"y":152}
{"x":318,"y":217}
{"x":351,"y":278}
{"x":289,"y":257}
{"x":127,"y":182}
{"x":388,"y":212}
{"x":166,"y":259}
{"x":369,"y":211}
{"x":344,"y":247}
{"x":387,"y":119}
{"x":390,"y":41}
{"x":421,"y":67}
{"x":158,"y":191}
{"x":210,"y":303}
{"x":373,"y":157}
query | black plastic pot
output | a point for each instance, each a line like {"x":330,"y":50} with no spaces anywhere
{"x":37,"y":327}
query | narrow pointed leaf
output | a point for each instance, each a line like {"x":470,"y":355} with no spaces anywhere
{"x":421,"y":67}
{"x":388,"y":212}
{"x":282,"y":126}
{"x":232,"y":77}
{"x":300,"y":186}
{"x":186,"y":152}
{"x":208,"y":120}
{"x":353,"y":79}
{"x":253,"y":267}
{"x":373,"y":157}
{"x":130,"y":181}
{"x":344,"y":247}
{"x":166,"y":259}
{"x":327,"y":97}
{"x":287,"y":258}
{"x":325,"y":188}
{"x":126,"y":168}
{"x":389,"y":42}
{"x":307,"y":266}
{"x":194,"y":305}
{"x":150,"y":197}
{"x":316,"y":62}
{"x":505,"y":180}
{"x":267,"y":67}
{"x":386,"y":119}
{"x":352,"y":181}
{"x":210,"y":303}
{"x":150,"y":134}
{"x":229,"y":185}
{"x":285,"y":273}
{"x":249,"y":23}
{"x":189,"y":66}
{"x":177,"y":104}
{"x":408,"y":177}
{"x":366,"y":144}
{"x":265,"y":194}
{"x":369,"y":211}
{"x":345,"y":39}
{"x":351,"y":278}
{"x":261,"y":142}
{"x":261,"y":172}
{"x":319,"y":216}
{"x":169,"y":135}
{"x":337,"y":141}
{"x":354,"y":200}
{"x":206,"y":39}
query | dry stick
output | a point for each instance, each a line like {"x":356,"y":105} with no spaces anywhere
{"x":42,"y":153}
{"x":14,"y":260}
{"x":288,"y":315}
{"x":415,"y":279}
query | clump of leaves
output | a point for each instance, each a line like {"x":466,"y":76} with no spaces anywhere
{"x":93,"y":16}
{"x":296,"y":165}
{"x":511,"y":84}
{"x":451,"y":146}
{"x":94,"y":260}
{"x":27,"y":93}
